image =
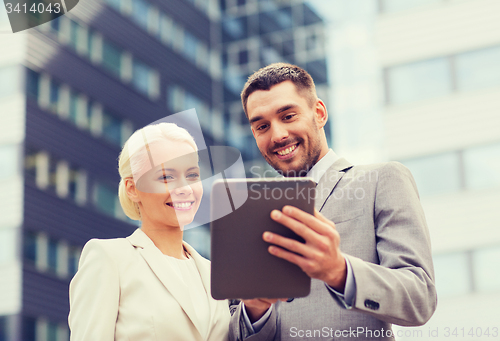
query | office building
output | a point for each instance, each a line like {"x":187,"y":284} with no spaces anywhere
{"x":71,"y":92}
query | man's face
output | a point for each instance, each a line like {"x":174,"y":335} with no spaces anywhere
{"x":287,"y":129}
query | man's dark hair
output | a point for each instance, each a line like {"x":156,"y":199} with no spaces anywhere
{"x":267,"y":77}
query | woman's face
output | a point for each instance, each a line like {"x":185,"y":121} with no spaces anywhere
{"x":170,"y":193}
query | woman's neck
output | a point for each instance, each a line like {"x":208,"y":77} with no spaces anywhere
{"x":167,"y":239}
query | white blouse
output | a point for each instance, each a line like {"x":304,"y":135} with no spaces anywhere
{"x":187,"y":271}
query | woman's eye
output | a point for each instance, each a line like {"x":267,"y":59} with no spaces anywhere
{"x":193,"y":176}
{"x":166,"y":178}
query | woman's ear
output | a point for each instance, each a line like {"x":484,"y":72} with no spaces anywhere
{"x":131,"y":190}
{"x":321,"y":113}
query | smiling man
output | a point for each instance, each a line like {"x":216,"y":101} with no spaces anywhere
{"x":367,"y":246}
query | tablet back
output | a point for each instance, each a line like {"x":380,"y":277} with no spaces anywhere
{"x":242,"y":267}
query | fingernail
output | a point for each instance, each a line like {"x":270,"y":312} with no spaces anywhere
{"x":275,"y":214}
{"x":267,"y":236}
{"x":287,"y":210}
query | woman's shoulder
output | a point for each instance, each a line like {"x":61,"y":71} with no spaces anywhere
{"x":113,"y":248}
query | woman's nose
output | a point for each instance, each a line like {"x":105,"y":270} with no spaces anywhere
{"x":183,"y":187}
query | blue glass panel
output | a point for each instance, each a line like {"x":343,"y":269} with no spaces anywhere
{"x":482,"y":166}
{"x":28,"y":329}
{"x":52,"y":255}
{"x":29,"y":246}
{"x":452,"y":274}
{"x":419,"y":81}
{"x":436,"y":174}
{"x":8,"y":81}
{"x":112,"y":128}
{"x":32,"y":83}
{"x":478,"y":69}
{"x":141,"y":76}
{"x":105,"y":198}
{"x":112,"y":58}
{"x":140,"y":11}
{"x":486,"y":274}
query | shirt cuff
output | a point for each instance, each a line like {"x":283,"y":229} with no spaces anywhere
{"x":257,"y":325}
{"x":347,"y":298}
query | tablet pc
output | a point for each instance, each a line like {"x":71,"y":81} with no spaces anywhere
{"x":242,"y":267}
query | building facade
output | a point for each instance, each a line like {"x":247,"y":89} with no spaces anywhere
{"x":257,"y":33}
{"x":419,"y":82}
{"x":71,"y":92}
{"x":74,"y":89}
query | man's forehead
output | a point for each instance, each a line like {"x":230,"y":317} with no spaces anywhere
{"x":264,"y":101}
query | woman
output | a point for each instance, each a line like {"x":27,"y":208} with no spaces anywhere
{"x":150,"y":285}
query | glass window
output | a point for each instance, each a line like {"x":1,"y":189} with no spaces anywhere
{"x":141,"y":77}
{"x":482,"y":166}
{"x":140,"y":13}
{"x":436,"y":174}
{"x":74,"y":257}
{"x":485,"y":263}
{"x":8,"y":81}
{"x":116,"y":4}
{"x":30,"y":246}
{"x":8,"y":245}
{"x":452,"y":274}
{"x":32,"y":83}
{"x":111,"y":128}
{"x":55,"y":93}
{"x":478,"y":69}
{"x":9,"y":157}
{"x":28,"y":329}
{"x":105,"y":198}
{"x":166,"y":29}
{"x":3,"y":319}
{"x":51,"y":331}
{"x":112,"y":58}
{"x":419,"y":81}
{"x":52,"y":255}
{"x":398,"y":5}
{"x":190,"y":45}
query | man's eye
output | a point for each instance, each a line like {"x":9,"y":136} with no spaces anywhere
{"x":289,"y":116}
{"x":262,"y":127}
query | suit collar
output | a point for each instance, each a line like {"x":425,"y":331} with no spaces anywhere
{"x":329,"y":180}
{"x":162,"y":269}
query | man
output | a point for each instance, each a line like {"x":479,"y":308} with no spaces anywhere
{"x":367,"y":246}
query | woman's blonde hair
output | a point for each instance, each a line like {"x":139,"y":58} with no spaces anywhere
{"x":133,"y":158}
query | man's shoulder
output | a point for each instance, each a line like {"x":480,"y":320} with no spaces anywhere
{"x":386,"y":168}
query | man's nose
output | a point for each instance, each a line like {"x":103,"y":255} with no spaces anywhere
{"x":279,"y":133}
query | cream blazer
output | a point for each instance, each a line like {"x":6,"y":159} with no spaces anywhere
{"x":124,"y":290}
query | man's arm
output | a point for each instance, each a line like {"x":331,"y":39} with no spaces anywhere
{"x":401,"y":289}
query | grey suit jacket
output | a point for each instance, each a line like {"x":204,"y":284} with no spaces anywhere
{"x":377,"y":212}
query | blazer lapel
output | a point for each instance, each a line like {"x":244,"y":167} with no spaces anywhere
{"x":154,"y":258}
{"x":329,"y":180}
{"x":203,"y":266}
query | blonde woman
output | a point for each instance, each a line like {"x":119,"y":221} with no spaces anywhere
{"x":151,"y":285}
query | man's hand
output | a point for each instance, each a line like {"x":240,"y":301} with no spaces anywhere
{"x":320,"y":257}
{"x":256,"y":308}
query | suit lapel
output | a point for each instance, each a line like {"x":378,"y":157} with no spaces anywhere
{"x":329,"y":180}
{"x":165,"y":273}
{"x":204,"y":269}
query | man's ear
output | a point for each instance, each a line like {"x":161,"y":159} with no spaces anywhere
{"x":131,"y":190}
{"x":321,"y":113}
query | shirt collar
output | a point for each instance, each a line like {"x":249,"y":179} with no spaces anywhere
{"x":320,"y":168}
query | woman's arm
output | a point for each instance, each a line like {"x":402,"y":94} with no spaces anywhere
{"x":94,"y":295}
